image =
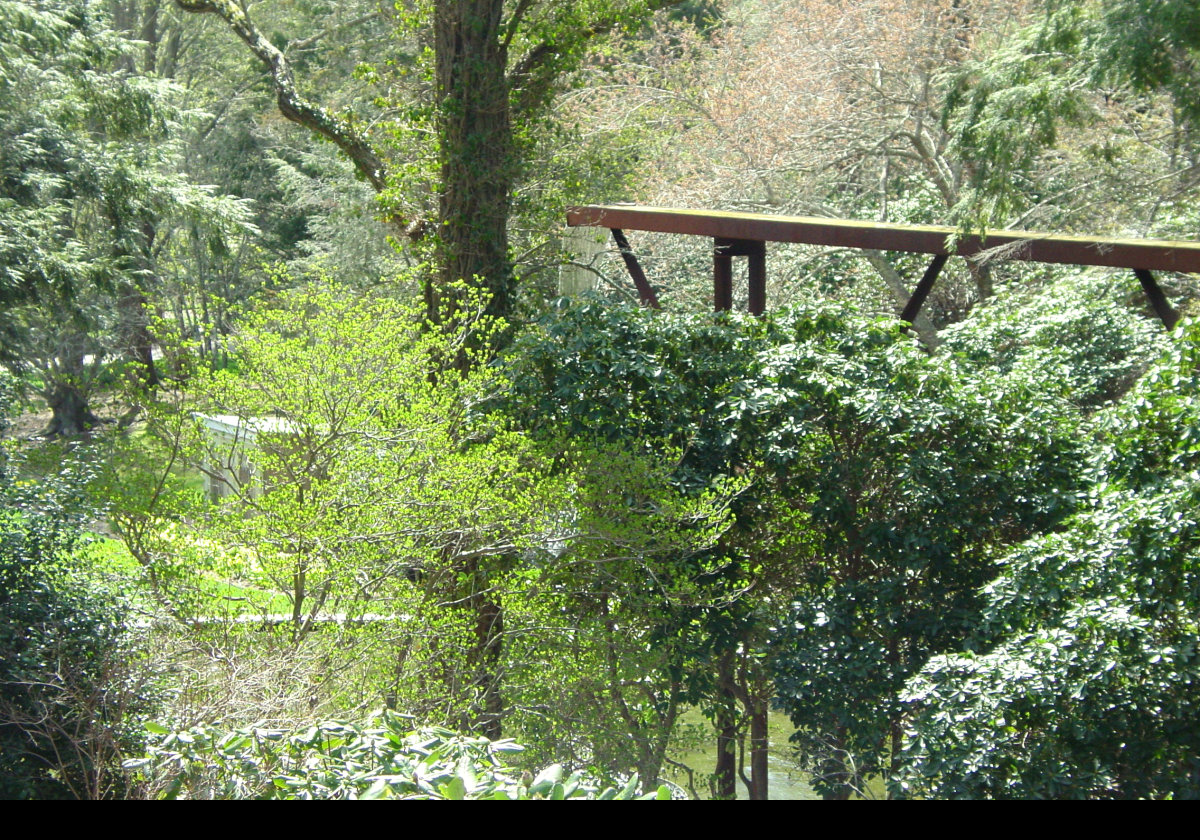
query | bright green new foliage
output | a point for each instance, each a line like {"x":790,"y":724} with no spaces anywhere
{"x":365,"y":479}
{"x":360,"y":463}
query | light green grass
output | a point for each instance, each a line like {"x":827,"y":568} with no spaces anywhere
{"x":211,"y":596}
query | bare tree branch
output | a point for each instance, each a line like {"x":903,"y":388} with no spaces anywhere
{"x":291,"y":104}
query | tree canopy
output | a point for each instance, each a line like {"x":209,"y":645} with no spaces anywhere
{"x":281,"y":283}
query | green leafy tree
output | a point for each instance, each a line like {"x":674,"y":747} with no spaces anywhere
{"x":877,"y":481}
{"x":346,"y":448}
{"x":359,"y":474}
{"x":650,"y":385}
{"x":905,"y":475}
{"x":494,"y":72}
{"x":1079,"y":681}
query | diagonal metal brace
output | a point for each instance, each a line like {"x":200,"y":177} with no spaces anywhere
{"x":922,"y":291}
{"x":645,"y":291}
{"x":1158,"y":300}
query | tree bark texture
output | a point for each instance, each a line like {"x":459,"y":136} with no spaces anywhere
{"x":726,"y":724}
{"x":476,"y":154}
{"x":71,"y":415}
{"x":486,"y":656}
{"x":759,"y":743}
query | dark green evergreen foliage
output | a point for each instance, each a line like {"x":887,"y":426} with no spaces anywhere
{"x":69,"y":699}
{"x":1152,"y":44}
{"x":1009,"y":108}
{"x":880,"y":480}
{"x":91,"y":195}
{"x":619,"y":373}
{"x":43,"y":124}
{"x":704,"y":15}
{"x":1074,"y":334}
{"x":1083,"y":680}
{"x":907,"y":474}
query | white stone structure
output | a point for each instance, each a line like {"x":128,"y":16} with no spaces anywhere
{"x":229,"y":467}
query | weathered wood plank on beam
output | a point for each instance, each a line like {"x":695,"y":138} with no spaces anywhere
{"x":1029,"y":246}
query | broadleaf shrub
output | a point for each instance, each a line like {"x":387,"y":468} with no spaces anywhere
{"x":383,"y":758}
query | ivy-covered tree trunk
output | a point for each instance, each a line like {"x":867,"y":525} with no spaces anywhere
{"x":485,"y":658}
{"x":475,"y":148}
{"x":475,"y":137}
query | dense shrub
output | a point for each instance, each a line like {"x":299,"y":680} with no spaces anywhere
{"x":384,"y":758}
{"x":1081,"y":679}
{"x":70,"y":691}
{"x":1076,"y":333}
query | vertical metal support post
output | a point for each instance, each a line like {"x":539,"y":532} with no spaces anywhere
{"x":922,"y":291}
{"x":722,"y":277}
{"x":757,"y":254}
{"x":724,"y":250}
{"x":1154,"y":293}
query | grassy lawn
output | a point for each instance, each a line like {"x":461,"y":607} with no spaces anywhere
{"x":208,"y":594}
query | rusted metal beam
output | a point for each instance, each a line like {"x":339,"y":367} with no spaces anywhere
{"x":1146,"y":254}
{"x":1154,"y":293}
{"x":645,"y":291}
{"x":922,"y":291}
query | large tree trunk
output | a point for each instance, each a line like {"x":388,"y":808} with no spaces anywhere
{"x":68,"y":376}
{"x":754,"y":689}
{"x":759,"y":743}
{"x":485,"y":657}
{"x":475,"y":148}
{"x":475,"y":143}
{"x":71,"y":415}
{"x":726,"y":724}
{"x":475,"y":136}
{"x":136,"y":337}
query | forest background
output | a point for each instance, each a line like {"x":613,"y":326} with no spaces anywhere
{"x":459,"y":507}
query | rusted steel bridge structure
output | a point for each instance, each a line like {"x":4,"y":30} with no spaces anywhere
{"x":747,"y":235}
